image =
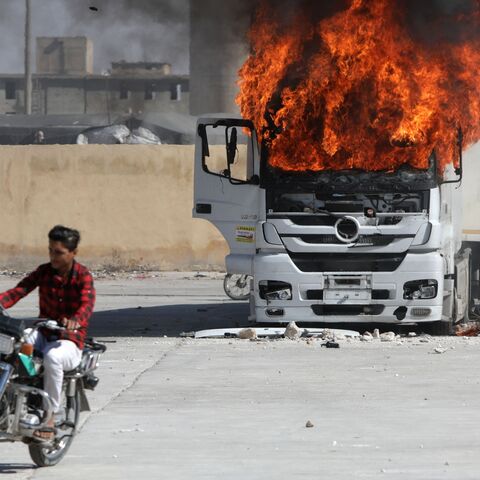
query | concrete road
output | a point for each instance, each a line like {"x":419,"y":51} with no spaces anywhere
{"x":173,"y":408}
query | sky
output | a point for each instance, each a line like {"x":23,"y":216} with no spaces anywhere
{"x":131,"y":30}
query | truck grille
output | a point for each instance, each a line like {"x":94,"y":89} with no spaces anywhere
{"x":314,"y":220}
{"x":347,"y":262}
{"x":365,"y":240}
{"x":329,"y":310}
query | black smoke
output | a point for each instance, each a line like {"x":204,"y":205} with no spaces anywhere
{"x":285,"y":11}
{"x":441,"y":21}
{"x":428,"y":21}
{"x":132,"y":30}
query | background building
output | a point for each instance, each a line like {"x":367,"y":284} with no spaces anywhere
{"x":64,"y":84}
{"x":64,"y":56}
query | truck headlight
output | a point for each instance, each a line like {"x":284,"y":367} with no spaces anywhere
{"x":274,"y":290}
{"x":420,"y":289}
{"x":284,"y":294}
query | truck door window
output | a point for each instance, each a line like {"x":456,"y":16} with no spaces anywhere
{"x":227,"y":151}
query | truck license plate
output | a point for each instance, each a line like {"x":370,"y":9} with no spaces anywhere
{"x":344,"y":295}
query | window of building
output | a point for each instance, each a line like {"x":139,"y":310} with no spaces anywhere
{"x":124,"y":93}
{"x":10,"y":90}
{"x":176,"y":92}
{"x":150,"y":91}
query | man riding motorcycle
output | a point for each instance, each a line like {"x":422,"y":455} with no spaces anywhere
{"x":67,"y":295}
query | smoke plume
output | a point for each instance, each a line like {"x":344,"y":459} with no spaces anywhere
{"x":131,"y":30}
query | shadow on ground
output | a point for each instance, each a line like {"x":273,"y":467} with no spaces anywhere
{"x":169,"y":320}
{"x":173,"y":320}
{"x":13,"y":468}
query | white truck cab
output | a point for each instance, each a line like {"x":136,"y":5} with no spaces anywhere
{"x":334,"y":246}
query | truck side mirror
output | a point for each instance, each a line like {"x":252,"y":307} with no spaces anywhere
{"x":255,"y":180}
{"x":232,"y":146}
{"x":202,"y":132}
{"x":458,"y":170}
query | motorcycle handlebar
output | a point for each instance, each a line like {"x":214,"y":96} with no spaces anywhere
{"x":50,"y":325}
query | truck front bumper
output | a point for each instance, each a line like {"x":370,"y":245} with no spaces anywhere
{"x":367,"y":297}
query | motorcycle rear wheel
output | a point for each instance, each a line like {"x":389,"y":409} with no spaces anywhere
{"x":237,"y":286}
{"x":66,"y":429}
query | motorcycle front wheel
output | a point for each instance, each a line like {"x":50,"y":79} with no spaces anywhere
{"x":66,"y":422}
{"x":237,"y":286}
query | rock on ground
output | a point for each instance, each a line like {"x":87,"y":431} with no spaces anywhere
{"x":292,"y":331}
{"x":247,"y":334}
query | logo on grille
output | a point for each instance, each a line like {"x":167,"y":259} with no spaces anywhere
{"x":347,"y":229}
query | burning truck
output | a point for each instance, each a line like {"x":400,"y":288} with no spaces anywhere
{"x":341,"y":190}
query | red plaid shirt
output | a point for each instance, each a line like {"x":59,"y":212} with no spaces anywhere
{"x":72,"y":298}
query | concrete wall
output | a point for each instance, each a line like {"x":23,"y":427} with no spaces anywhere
{"x":131,"y":203}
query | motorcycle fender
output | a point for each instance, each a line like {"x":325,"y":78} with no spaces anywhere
{"x":84,"y":405}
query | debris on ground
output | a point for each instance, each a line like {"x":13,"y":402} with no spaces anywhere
{"x":274,"y":333}
{"x":247,"y":334}
{"x":331,"y":344}
{"x":200,"y":275}
{"x":387,"y":337}
{"x":330,"y":333}
{"x":292,"y":331}
{"x":425,"y":339}
{"x":440,"y":350}
{"x":471,"y":329}
{"x":309,"y":424}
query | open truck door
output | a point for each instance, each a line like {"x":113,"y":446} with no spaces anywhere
{"x":227,"y":185}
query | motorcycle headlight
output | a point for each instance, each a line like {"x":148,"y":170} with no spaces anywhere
{"x":6,"y":344}
{"x":420,"y":289}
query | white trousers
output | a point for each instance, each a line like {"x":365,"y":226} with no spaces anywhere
{"x":58,"y":356}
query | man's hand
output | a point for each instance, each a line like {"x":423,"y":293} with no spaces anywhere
{"x":70,"y":324}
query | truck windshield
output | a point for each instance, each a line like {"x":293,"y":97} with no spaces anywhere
{"x":404,"y":191}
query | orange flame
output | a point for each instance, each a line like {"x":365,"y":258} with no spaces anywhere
{"x":358,"y":89}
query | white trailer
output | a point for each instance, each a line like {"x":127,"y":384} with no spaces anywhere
{"x":471,"y":216}
{"x":340,"y":247}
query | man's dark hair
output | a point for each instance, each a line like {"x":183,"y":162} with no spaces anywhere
{"x":68,"y":236}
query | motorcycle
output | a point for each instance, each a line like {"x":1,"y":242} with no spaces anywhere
{"x":237,"y":286}
{"x":25,"y":407}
